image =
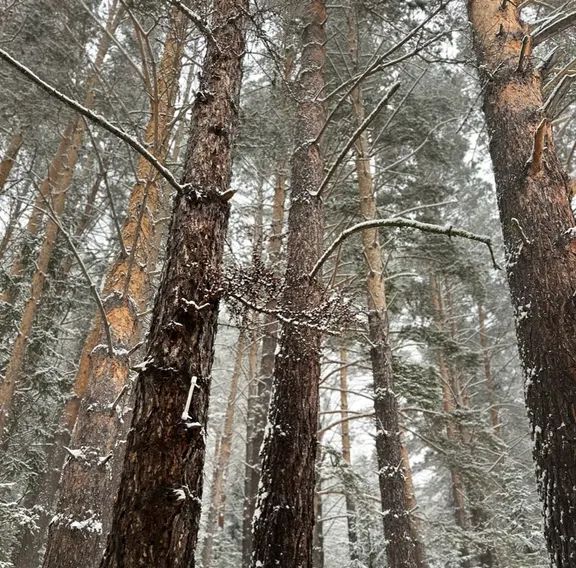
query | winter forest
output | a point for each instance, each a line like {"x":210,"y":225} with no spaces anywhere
{"x":287,"y":284}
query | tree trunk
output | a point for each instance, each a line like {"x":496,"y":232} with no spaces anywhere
{"x":537,"y":224}
{"x":55,"y":189}
{"x":222,"y":458}
{"x":14,"y":368}
{"x":284,"y":516}
{"x":102,"y":376}
{"x":44,"y":488}
{"x":259,"y":395}
{"x":62,"y":166}
{"x":11,"y":224}
{"x":259,"y":392}
{"x":488,"y":377}
{"x":449,"y":401}
{"x":157,"y":512}
{"x":9,"y":158}
{"x":411,"y":505}
{"x":398,"y":527}
{"x":351,"y":519}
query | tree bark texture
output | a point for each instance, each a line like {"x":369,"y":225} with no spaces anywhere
{"x":537,"y":225}
{"x":157,"y":512}
{"x":398,"y":527}
{"x":94,"y":410}
{"x":9,"y":159}
{"x":284,"y":514}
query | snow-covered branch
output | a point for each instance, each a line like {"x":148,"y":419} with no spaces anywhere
{"x":198,"y":21}
{"x":357,"y":133}
{"x":93,"y":116}
{"x":93,"y":289}
{"x":401,"y":222}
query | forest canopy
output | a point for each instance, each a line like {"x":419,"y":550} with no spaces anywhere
{"x":287,"y":284}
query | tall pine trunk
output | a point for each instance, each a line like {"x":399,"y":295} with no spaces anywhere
{"x":537,"y":225}
{"x":351,"y":517}
{"x":61,"y":167}
{"x":399,"y":529}
{"x":87,"y":481}
{"x":157,"y":511}
{"x":449,"y":403}
{"x":222,"y":458}
{"x":259,"y":392}
{"x":487,"y":365}
{"x":284,"y":515}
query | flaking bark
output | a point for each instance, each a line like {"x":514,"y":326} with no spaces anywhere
{"x":157,"y":512}
{"x":537,"y":225}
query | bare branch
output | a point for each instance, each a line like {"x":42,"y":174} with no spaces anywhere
{"x":198,"y":21}
{"x":389,"y":94}
{"x":551,"y":105}
{"x":401,"y":222}
{"x":54,"y":218}
{"x":558,"y":25}
{"x":94,"y":117}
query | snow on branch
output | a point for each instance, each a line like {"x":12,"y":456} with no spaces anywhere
{"x":550,"y":28}
{"x":358,"y":132}
{"x":381,"y":63}
{"x":92,"y":286}
{"x":401,"y":222}
{"x":93,"y":116}
{"x":198,"y":21}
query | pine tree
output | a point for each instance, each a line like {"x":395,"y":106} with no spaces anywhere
{"x":284,"y":514}
{"x":537,"y":222}
{"x":157,"y":512}
{"x":104,"y":367}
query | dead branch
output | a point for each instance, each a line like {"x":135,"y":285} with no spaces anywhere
{"x":198,"y":21}
{"x":547,"y":30}
{"x":367,"y":121}
{"x":535,"y":161}
{"x":94,"y":117}
{"x":401,"y":222}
